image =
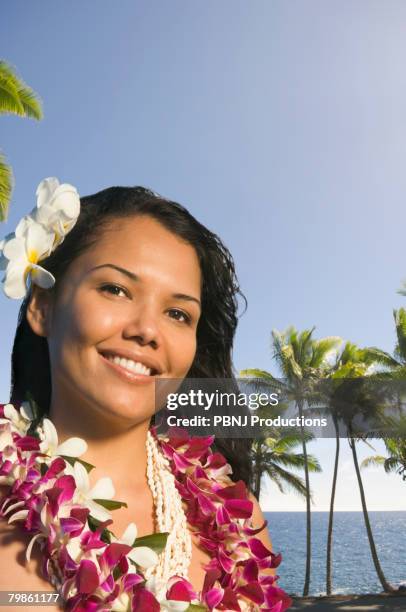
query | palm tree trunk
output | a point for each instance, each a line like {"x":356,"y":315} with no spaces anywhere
{"x":385,"y":585}
{"x":331,"y":515}
{"x":257,"y":471}
{"x":306,"y":585}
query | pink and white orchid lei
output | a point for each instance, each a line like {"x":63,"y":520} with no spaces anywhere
{"x":92,"y":569}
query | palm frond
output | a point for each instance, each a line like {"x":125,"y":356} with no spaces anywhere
{"x":375,"y":355}
{"x":6,"y":187}
{"x":372,"y":461}
{"x":257,"y":373}
{"x":293,"y":460}
{"x":323,"y":349}
{"x":304,"y":351}
{"x":10,"y":102}
{"x":391,"y":464}
{"x":16,"y":97}
{"x":282,"y":477}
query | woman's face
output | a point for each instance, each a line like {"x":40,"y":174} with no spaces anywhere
{"x":125,"y":314}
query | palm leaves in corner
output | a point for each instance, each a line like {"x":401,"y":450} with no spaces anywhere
{"x":16,"y":98}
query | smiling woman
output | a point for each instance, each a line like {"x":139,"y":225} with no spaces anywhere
{"x":131,"y":290}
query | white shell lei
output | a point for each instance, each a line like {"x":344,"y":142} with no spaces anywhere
{"x":170,"y":516}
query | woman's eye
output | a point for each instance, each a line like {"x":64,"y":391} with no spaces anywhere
{"x":180,"y":316}
{"x":114,"y":290}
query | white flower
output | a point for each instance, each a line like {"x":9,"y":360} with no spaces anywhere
{"x":103,"y":489}
{"x":73,"y":447}
{"x":58,"y":207}
{"x":6,"y":437}
{"x":21,"y":421}
{"x":24,"y":252}
{"x":37,"y":235}
{"x":24,"y":224}
{"x":122,"y":603}
{"x":141,"y":555}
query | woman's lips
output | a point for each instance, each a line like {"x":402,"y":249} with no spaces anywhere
{"x":126,"y":375}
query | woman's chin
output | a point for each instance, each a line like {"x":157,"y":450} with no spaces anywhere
{"x":131,"y":414}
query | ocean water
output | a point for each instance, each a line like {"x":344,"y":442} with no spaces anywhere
{"x":353,"y":569}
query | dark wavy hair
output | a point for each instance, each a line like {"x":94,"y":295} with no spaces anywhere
{"x":217,"y":324}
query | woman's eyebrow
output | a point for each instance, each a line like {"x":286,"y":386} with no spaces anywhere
{"x":134,"y":277}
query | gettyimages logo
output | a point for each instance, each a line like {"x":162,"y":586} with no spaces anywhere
{"x":250,"y":408}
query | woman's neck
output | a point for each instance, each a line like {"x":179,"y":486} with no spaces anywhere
{"x":117,"y":448}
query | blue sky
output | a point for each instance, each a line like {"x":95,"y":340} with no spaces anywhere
{"x":280,"y":125}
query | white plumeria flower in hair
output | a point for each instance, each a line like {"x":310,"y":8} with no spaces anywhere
{"x":23,"y":253}
{"x":58,"y":207}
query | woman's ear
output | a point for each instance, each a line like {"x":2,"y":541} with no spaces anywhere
{"x":39,"y":311}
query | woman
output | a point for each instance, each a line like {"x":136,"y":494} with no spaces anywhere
{"x":126,"y":288}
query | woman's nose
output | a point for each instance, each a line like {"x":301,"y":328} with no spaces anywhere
{"x":143,"y":327}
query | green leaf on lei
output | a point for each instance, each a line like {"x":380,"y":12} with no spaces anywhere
{"x":110,"y":504}
{"x":156,"y":541}
{"x":72,"y":460}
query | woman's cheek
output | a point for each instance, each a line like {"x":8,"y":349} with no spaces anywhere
{"x":95,"y":323}
{"x":188,"y":351}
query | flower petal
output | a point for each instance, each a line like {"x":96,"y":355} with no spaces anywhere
{"x":30,"y":545}
{"x":39,"y":241}
{"x":175,"y":606}
{"x":15,"y":249}
{"x":50,"y":432}
{"x":14,"y":282}
{"x":41,"y":277}
{"x":66,"y":199}
{"x":18,"y":516}
{"x":87,"y":578}
{"x":129,"y":534}
{"x":143,"y":556}
{"x":23,"y":226}
{"x":10,"y":412}
{"x":81,"y":477}
{"x":45,"y":190}
{"x":97,"y":511}
{"x":258,"y":549}
{"x":103,"y":489}
{"x":214,"y":597}
{"x":26,"y":411}
{"x":180,"y":590}
{"x":74,"y":548}
{"x":73,"y":447}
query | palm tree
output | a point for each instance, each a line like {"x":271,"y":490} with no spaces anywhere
{"x":362,"y":402}
{"x":301,"y":361}
{"x":16,"y":98}
{"x":351,"y":362}
{"x":275,"y":456}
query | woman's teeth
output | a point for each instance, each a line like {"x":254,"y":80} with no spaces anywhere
{"x":130,"y":365}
